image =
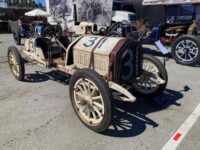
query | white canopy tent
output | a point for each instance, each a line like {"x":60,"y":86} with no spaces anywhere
{"x":38,"y":13}
{"x":169,"y":2}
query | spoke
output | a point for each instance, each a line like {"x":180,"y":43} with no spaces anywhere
{"x":84,"y":85}
{"x":189,"y":56}
{"x":185,"y":43}
{"x":150,"y":85}
{"x":193,"y":53}
{"x":185,"y":56}
{"x":145,"y":85}
{"x":93,"y":92}
{"x":182,"y":55}
{"x":152,"y":80}
{"x":94,"y":115}
{"x":96,"y":98}
{"x":89,"y":88}
{"x":80,"y":89}
{"x":179,"y":47}
{"x":98,"y":105}
{"x":144,"y":65}
{"x":83,"y":108}
{"x":79,"y":94}
{"x":148,"y":66}
{"x":153,"y":69}
{"x":97,"y":111}
{"x":191,"y":45}
{"x":88,"y":112}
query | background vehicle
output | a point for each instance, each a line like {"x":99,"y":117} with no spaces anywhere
{"x":96,"y":67}
{"x":123,"y":16}
{"x":180,"y":29}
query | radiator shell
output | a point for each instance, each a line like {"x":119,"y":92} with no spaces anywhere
{"x":93,"y":52}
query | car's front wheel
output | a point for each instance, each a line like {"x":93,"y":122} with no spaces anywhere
{"x":16,"y":63}
{"x":91,"y":99}
{"x":154,"y":78}
{"x":186,"y":50}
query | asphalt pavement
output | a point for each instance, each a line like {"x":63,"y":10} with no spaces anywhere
{"x":37,"y":114}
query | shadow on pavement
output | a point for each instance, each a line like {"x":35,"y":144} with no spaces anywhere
{"x":38,"y":77}
{"x":131,"y":118}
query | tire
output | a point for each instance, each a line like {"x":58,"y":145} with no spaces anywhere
{"x":114,"y":34}
{"x":16,"y":63}
{"x":90,"y":14}
{"x":153,"y":89}
{"x":102,"y":109}
{"x":17,"y":38}
{"x":186,"y":56}
{"x":113,"y":27}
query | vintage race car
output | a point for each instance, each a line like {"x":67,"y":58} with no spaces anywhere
{"x":102,"y":69}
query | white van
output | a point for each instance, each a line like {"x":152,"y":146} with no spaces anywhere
{"x":123,"y":16}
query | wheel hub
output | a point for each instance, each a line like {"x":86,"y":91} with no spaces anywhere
{"x":88,"y":99}
{"x":145,"y":76}
{"x":186,"y":50}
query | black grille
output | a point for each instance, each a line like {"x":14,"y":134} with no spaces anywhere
{"x":129,"y":62}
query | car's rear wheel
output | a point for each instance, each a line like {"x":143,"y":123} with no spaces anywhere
{"x":115,"y":27}
{"x":91,"y":99}
{"x":16,"y":63}
{"x":154,"y":78}
{"x":186,"y":50}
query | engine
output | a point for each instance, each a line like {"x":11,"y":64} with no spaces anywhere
{"x":118,"y":59}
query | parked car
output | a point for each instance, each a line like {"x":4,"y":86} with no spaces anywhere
{"x":180,"y":29}
{"x":102,"y":70}
{"x":123,"y":16}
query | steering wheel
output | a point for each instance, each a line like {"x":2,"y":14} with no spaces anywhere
{"x":52,"y":31}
